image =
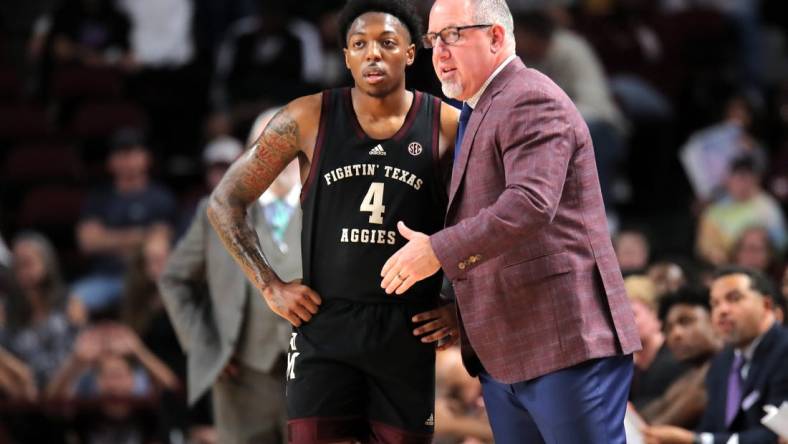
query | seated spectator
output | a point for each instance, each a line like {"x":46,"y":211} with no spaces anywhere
{"x":90,"y":32}
{"x":142,"y":309}
{"x":459,"y":407}
{"x":748,"y":374}
{"x":115,"y":221}
{"x":217,"y":157}
{"x":632,"y":250}
{"x":655,"y":366}
{"x":80,"y":375}
{"x":40,"y":318}
{"x":160,"y":31}
{"x":745,"y":205}
{"x":667,"y":277}
{"x":568,"y":59}
{"x":708,"y":153}
{"x":686,"y":316}
{"x":754,"y":249}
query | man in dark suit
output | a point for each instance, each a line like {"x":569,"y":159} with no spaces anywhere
{"x":750,"y":372}
{"x":546,"y":322}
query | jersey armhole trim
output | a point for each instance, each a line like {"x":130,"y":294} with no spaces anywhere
{"x":436,"y":160}
{"x":319,"y":142}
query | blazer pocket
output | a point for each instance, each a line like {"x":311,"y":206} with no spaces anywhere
{"x":535,"y":270}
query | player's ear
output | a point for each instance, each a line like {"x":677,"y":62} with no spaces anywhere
{"x":411,"y":53}
{"x":347,"y":61}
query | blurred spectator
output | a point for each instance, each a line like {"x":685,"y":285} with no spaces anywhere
{"x":745,"y":205}
{"x":708,"y":153}
{"x":655,"y":366}
{"x":116,"y":410}
{"x":40,"y":317}
{"x":116,"y":417}
{"x":778,"y":176}
{"x":142,"y":309}
{"x":171,"y":81}
{"x":266,"y":59}
{"x":217,"y":157}
{"x":161,"y":31}
{"x":459,"y":407}
{"x":686,"y":316}
{"x":666,"y":276}
{"x":569,"y":61}
{"x":240,"y":354}
{"x":754,"y":249}
{"x":632,"y":250}
{"x":749,"y":373}
{"x":637,"y":56}
{"x":17,"y":381}
{"x":79,"y":377}
{"x":115,"y":221}
{"x":91,"y":32}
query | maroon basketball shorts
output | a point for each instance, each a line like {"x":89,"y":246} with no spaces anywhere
{"x":356,"y":373}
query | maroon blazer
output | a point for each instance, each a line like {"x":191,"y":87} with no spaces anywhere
{"x":526,"y":243}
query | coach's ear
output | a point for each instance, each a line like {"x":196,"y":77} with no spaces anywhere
{"x":498,"y":37}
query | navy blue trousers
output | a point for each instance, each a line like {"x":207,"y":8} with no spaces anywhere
{"x":577,"y":405}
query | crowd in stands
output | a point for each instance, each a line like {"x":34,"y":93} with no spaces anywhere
{"x":118,"y":116}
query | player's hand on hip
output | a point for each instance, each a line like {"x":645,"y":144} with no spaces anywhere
{"x":439,"y":325}
{"x":295,"y":302}
{"x":412,"y":263}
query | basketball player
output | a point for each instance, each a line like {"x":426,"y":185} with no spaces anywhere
{"x":370,"y":156}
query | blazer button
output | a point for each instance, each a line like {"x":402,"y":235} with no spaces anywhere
{"x":462,"y":265}
{"x":473,"y":259}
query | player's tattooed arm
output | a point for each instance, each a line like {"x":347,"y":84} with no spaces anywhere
{"x":244,"y":182}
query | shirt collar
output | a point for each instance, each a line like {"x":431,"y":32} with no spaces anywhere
{"x":749,"y":351}
{"x":474,"y":100}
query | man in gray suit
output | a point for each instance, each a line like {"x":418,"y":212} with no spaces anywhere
{"x":234,"y":342}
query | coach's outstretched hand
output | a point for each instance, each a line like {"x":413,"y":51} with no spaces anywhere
{"x":293,"y":301}
{"x":439,"y":325}
{"x":412,"y":263}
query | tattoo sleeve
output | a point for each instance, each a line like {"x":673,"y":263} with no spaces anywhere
{"x":243,"y":183}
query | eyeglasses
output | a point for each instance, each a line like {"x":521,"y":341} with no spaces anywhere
{"x":449,"y":35}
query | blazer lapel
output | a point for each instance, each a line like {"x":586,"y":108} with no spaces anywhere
{"x":460,"y":164}
{"x":759,"y":358}
{"x":485,"y":102}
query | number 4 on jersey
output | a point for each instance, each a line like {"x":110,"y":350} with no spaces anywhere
{"x":373,"y":203}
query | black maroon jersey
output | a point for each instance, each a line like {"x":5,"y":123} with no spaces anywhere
{"x":357,"y":191}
